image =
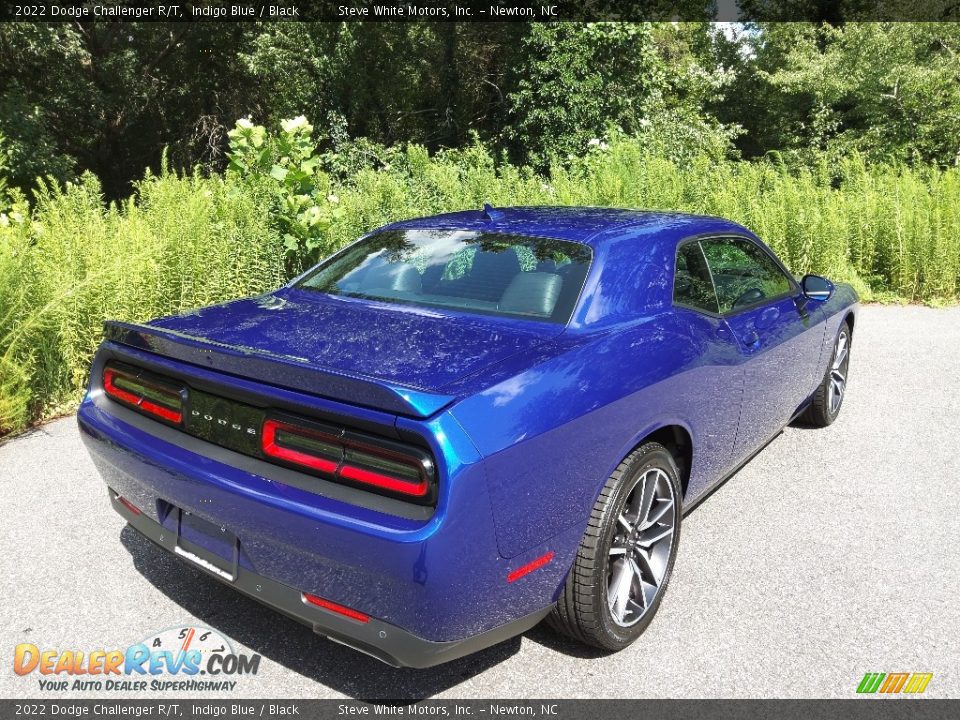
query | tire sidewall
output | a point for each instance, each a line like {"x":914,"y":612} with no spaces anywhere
{"x":831,"y":416}
{"x":646,"y":458}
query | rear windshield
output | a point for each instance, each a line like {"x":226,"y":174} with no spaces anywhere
{"x":475,"y":271}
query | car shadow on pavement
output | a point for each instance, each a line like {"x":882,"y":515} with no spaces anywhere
{"x":543,"y":635}
{"x":293,"y":645}
{"x":800,"y":424}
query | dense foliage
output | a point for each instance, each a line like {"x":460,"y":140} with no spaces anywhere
{"x":108,"y":97}
{"x":888,"y":91}
{"x":838,"y":145}
{"x":184,"y":241}
{"x":71,"y":261}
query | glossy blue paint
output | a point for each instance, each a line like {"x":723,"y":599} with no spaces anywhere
{"x":525,"y":420}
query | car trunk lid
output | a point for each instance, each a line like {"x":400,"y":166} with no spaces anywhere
{"x":389,"y":357}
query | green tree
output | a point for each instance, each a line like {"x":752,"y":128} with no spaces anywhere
{"x":890,"y":91}
{"x":428,"y":83}
{"x":572,"y":82}
{"x":112,"y":95}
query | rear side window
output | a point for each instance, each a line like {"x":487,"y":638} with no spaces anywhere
{"x":474,"y":271}
{"x":692,"y":285}
{"x":743,"y":273}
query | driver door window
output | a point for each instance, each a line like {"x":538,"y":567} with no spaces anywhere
{"x":743,"y":274}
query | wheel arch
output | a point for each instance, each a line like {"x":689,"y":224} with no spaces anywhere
{"x":678,"y":442}
{"x":849,"y":319}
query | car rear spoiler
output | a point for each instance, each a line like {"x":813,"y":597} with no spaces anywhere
{"x":280,"y":370}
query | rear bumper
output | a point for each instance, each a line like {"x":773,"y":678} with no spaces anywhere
{"x":381,"y":640}
{"x":435,"y":587}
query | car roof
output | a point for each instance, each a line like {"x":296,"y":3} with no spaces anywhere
{"x":588,"y":225}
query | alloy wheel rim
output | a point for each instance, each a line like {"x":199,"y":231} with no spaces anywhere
{"x":838,"y":373}
{"x":639,"y":553}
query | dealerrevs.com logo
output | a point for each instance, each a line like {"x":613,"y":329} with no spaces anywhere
{"x":188,"y":659}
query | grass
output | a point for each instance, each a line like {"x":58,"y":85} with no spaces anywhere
{"x":178,"y":243}
{"x":185,"y":241}
{"x":891,"y":231}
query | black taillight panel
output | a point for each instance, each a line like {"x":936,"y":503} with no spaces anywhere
{"x":224,"y":422}
{"x":148,"y":394}
{"x":314,"y":447}
{"x":353,"y":458}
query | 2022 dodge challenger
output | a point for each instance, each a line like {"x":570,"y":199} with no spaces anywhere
{"x":461,"y":425}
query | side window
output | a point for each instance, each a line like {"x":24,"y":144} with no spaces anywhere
{"x":743,"y":274}
{"x":692,"y":285}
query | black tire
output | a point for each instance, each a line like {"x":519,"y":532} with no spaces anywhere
{"x":823,"y":410}
{"x":583,"y":611}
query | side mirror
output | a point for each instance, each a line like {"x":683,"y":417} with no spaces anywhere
{"x":816,"y":288}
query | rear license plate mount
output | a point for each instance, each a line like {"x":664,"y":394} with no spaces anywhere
{"x":207,"y":545}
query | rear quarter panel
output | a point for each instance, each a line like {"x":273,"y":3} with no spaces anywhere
{"x":551,"y":435}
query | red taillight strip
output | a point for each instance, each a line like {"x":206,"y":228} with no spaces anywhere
{"x":369,"y":477}
{"x":161,"y":411}
{"x":530,"y":567}
{"x":334,"y":607}
{"x":110,"y":387}
{"x":280,"y":452}
{"x":343,"y":471}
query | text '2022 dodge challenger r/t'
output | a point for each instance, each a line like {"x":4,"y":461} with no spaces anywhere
{"x":460,"y":425}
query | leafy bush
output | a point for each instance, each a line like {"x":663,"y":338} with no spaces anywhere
{"x":892,"y":231}
{"x":286,"y":167}
{"x":573,"y":81}
{"x":27,"y":145}
{"x":71,"y":261}
{"x":178,"y":243}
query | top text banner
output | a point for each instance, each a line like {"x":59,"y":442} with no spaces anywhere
{"x":832,"y":11}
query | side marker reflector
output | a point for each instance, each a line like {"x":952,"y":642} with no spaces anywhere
{"x":128,"y":505}
{"x":334,"y":607}
{"x":530,"y":567}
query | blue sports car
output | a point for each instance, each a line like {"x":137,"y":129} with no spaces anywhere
{"x":460,"y":425}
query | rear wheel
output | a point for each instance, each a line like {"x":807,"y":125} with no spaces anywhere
{"x":828,"y":397}
{"x":626,"y":556}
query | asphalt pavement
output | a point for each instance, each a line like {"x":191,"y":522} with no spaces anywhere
{"x":833,"y":553}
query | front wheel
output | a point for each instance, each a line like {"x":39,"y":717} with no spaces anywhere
{"x":626,"y":556}
{"x":828,"y":397}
